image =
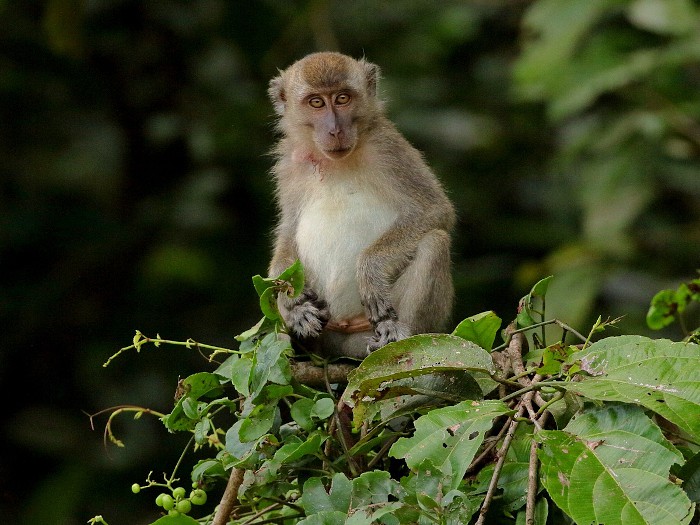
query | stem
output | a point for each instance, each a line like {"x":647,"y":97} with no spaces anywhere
{"x":499,"y":465}
{"x":557,"y":322}
{"x":385,"y":447}
{"x":531,"y":484}
{"x":230,"y":497}
{"x":179,"y":461}
{"x":535,"y":385}
{"x":157,"y":341}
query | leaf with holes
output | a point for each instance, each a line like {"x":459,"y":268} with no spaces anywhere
{"x":449,"y":437}
{"x":611,"y":466}
{"x":655,"y":373}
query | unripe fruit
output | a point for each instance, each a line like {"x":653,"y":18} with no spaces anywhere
{"x":168,"y":502}
{"x":184,"y":506}
{"x":179,"y":493}
{"x":135,"y":488}
{"x":198,"y":497}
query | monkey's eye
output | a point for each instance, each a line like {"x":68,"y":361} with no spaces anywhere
{"x":316,"y":102}
{"x":342,"y":99}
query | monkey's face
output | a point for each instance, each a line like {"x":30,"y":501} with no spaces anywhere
{"x":330,"y":118}
{"x":327,"y":100}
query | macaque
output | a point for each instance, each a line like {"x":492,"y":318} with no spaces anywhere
{"x":360,"y":208}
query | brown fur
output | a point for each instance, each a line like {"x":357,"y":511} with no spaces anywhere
{"x":350,"y":185}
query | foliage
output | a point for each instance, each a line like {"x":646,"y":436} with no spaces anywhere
{"x":668,"y":306}
{"x":134,"y":188}
{"x":438,"y":429}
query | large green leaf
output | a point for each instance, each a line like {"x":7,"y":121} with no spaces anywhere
{"x":415,"y":356}
{"x":611,"y":466}
{"x":656,"y":373}
{"x":449,"y":437}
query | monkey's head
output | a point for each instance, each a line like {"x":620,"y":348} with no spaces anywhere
{"x":329,"y":100}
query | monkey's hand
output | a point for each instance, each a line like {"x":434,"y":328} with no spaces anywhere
{"x":386,"y":332}
{"x":306,"y":314}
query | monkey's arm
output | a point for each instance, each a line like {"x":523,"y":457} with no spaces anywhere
{"x":383,"y":262}
{"x":306,"y":314}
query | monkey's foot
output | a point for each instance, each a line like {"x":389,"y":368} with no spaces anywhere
{"x":386,"y":332}
{"x":308,"y":315}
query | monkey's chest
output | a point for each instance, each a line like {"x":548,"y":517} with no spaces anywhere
{"x":337,"y":224}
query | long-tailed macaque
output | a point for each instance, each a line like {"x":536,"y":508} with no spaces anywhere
{"x":360,"y":208}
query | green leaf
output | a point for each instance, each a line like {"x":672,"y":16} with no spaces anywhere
{"x":266,"y":358}
{"x":690,"y":474}
{"x":202,"y":384}
{"x":541,"y":286}
{"x":301,"y":413}
{"x":656,"y":373}
{"x":268,"y":304}
{"x":553,"y":357}
{"x":361,"y":501}
{"x":258,"y":422}
{"x":611,"y":466}
{"x":526,"y":307}
{"x":240,"y":374}
{"x":180,"y":519}
{"x":480,"y":329}
{"x":263,"y":326}
{"x":315,"y":499}
{"x":263,"y":283}
{"x":449,"y":437}
{"x":323,"y":408}
{"x":208,"y":468}
{"x":297,"y":449}
{"x":663,"y":309}
{"x":415,"y":356}
{"x":294,"y":275}
{"x":187,"y":411}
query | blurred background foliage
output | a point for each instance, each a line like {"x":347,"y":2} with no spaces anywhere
{"x":134,"y":189}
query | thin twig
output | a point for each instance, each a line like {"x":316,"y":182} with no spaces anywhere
{"x":499,"y":465}
{"x":531,"y":484}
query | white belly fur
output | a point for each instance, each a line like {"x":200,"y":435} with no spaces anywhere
{"x":338,"y":222}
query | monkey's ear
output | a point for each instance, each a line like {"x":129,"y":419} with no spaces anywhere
{"x":372,"y":74}
{"x":277,"y":94}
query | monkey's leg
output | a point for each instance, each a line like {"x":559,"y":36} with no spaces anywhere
{"x":423,"y":294}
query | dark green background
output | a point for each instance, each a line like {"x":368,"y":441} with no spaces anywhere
{"x":134,"y":190}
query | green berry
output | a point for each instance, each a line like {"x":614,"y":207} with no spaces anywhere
{"x":179,"y":493}
{"x":159,"y":499}
{"x":198,"y":497}
{"x":184,"y":506}
{"x":168,"y":502}
{"x":135,"y":488}
{"x":173,"y":512}
{"x":195,"y":484}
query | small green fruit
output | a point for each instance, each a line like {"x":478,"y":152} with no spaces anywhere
{"x":135,"y":488}
{"x":198,"y":497}
{"x":168,"y":502}
{"x":184,"y":506}
{"x":179,"y":493}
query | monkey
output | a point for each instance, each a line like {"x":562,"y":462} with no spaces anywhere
{"x":360,"y":208}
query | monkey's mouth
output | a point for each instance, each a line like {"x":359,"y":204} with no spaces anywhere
{"x":338,"y":153}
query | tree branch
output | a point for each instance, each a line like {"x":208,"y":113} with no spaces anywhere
{"x":230,"y":497}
